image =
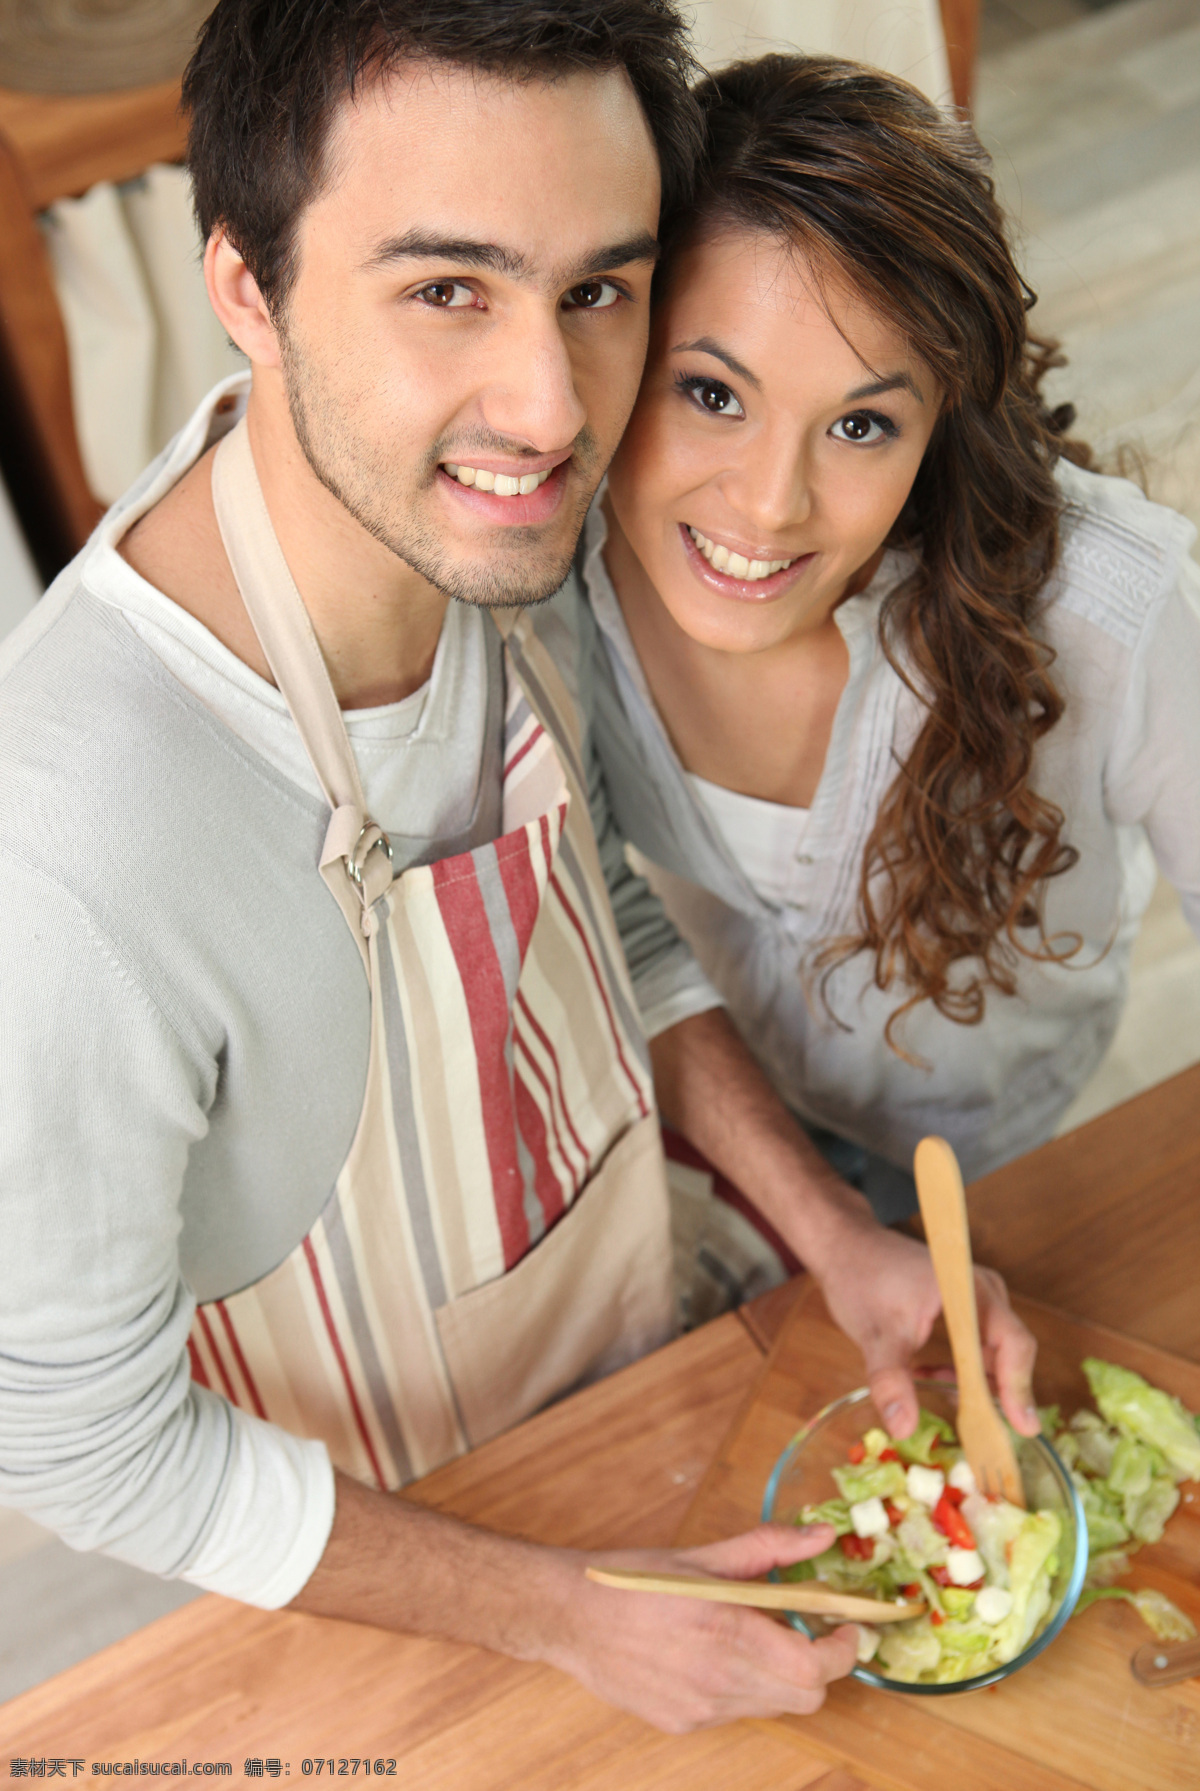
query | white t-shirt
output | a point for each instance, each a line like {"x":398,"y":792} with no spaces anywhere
{"x":418,"y":759}
{"x":763,"y":837}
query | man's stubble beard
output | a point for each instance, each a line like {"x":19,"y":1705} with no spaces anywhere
{"x":353,"y":472}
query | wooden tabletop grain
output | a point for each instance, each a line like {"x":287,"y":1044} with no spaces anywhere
{"x":1104,"y":1223}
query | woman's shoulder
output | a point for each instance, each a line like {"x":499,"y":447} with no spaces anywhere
{"x":1122,"y":555}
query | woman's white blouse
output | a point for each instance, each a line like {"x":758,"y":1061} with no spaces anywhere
{"x":1123,"y":617}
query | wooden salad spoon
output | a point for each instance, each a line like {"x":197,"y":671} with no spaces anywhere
{"x":981,"y":1429}
{"x":801,"y":1595}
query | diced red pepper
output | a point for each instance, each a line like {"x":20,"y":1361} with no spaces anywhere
{"x":936,"y":1618}
{"x":894,"y":1513}
{"x":857,"y":1548}
{"x":940,"y":1576}
{"x":915,"y":1590}
{"x":889,"y":1455}
{"x":975,"y":1586}
{"x":857,"y":1452}
{"x":955,"y":1494}
{"x":951,"y":1522}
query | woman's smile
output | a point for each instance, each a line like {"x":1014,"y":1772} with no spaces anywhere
{"x":746,"y":575}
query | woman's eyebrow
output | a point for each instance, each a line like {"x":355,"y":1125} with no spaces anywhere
{"x":897,"y":382}
{"x":706,"y":345}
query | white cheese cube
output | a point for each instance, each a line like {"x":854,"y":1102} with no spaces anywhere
{"x":869,"y":1518}
{"x":868,"y":1642}
{"x":962,"y":1477}
{"x":993,"y":1604}
{"x":964,"y":1565}
{"x":925,"y":1485}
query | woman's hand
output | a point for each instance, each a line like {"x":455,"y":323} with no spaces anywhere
{"x":879,"y":1285}
{"x":681,"y":1664}
{"x":881,"y":1290}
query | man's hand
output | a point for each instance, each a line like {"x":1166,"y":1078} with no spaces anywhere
{"x":881,"y":1290}
{"x":681,"y":1664}
{"x":675,"y":1662}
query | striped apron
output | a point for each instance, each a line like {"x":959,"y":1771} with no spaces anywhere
{"x":499,"y":1232}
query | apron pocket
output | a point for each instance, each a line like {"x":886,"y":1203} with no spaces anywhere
{"x":594,"y":1295}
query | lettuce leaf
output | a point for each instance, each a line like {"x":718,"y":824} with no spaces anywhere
{"x":1133,"y":1467}
{"x":831,"y":1511}
{"x":1107,"y":1567}
{"x":1168,"y":1622}
{"x":1105,"y":1515}
{"x":871,"y":1480}
{"x":1029,"y":1581}
{"x":910,"y":1649}
{"x":1146,"y":1513}
{"x":1148,"y":1414}
{"x":994,"y":1524}
{"x":920,"y":1540}
{"x":931,"y":1430}
{"x":1095,"y":1443}
{"x":966,"y":1638}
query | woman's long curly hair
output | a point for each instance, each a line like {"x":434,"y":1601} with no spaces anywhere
{"x":871,"y":182}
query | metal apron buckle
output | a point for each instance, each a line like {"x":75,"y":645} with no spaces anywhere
{"x":355,"y":864}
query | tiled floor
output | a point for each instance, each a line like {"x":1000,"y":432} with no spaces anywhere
{"x":1093,"y":114}
{"x":57,"y":1607}
{"x":1095,"y":130}
{"x":1004,"y":23}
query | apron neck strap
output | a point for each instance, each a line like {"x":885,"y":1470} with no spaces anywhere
{"x":281,"y":622}
{"x":290,"y":646}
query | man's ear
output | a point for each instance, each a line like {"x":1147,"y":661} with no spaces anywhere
{"x":234,"y":295}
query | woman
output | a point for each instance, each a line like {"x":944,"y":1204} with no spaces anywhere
{"x":900,"y":705}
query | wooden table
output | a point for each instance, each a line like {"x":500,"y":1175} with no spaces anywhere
{"x":1105,"y":1224}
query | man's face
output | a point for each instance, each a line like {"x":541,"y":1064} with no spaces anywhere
{"x":464,"y":338}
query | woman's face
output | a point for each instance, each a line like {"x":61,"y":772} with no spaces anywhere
{"x":778,"y":426}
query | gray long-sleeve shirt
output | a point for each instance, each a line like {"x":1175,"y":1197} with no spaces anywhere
{"x":183,"y":1037}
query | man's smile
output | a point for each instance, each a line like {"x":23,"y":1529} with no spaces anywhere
{"x":503,"y":484}
{"x":517,"y":494}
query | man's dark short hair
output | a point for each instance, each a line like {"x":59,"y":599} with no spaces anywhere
{"x":267,"y":74}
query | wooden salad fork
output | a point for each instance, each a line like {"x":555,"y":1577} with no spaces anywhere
{"x":799,"y":1595}
{"x":981,"y":1430}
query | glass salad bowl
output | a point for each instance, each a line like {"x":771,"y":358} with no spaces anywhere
{"x":803,"y":1476}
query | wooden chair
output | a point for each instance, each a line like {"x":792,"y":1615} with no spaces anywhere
{"x":960,"y":26}
{"x":55,"y":148}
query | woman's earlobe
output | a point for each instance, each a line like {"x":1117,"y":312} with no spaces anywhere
{"x":234,"y":295}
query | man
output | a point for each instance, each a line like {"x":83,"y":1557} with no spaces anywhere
{"x":432,"y":230}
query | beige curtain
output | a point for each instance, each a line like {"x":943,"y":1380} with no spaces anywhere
{"x":143,"y":342}
{"x":903,"y":36}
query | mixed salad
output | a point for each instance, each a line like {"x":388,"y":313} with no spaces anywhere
{"x":911,"y":1523}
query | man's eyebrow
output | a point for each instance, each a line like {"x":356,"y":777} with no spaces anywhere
{"x":642,"y":247}
{"x":898,"y":382}
{"x":706,"y":345}
{"x":423,"y":245}
{"x":467,"y":252}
